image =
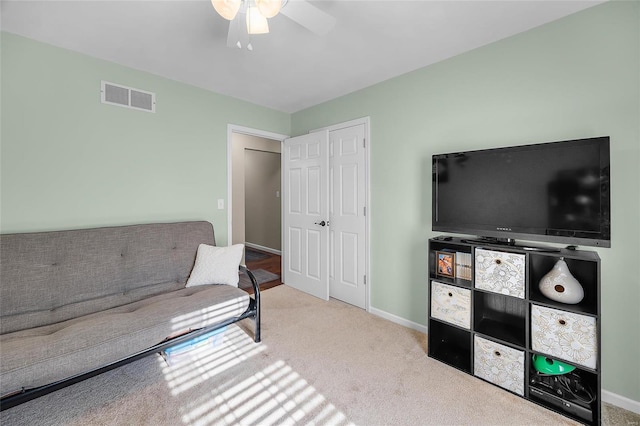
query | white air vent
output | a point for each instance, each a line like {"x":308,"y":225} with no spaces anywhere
{"x":128,"y":97}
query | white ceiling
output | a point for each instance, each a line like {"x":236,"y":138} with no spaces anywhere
{"x":291,"y":68}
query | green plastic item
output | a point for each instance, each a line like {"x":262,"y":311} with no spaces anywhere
{"x":551,"y":366}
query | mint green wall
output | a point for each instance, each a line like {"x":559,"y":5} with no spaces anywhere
{"x":68,"y":161}
{"x":577,"y":77}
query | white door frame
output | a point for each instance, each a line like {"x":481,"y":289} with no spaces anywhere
{"x":231,"y":129}
{"x":367,"y":137}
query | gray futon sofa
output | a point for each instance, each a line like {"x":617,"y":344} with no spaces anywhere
{"x":76,"y":303}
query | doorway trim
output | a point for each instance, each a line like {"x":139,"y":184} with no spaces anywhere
{"x":231,"y":129}
{"x":366,"y":121}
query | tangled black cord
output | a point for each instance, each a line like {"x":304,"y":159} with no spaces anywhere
{"x":572,"y":383}
{"x":582,"y":392}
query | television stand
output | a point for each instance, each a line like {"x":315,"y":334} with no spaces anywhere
{"x":488,"y":317}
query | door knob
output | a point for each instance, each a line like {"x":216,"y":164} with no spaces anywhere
{"x":323,"y":223}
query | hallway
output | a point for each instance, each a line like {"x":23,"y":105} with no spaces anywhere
{"x":257,"y":259}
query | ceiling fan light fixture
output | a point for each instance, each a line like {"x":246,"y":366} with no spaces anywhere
{"x":256,"y":22}
{"x":269,"y":8}
{"x":228,"y":9}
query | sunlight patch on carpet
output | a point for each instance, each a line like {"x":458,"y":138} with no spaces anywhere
{"x":205,"y":362}
{"x":274,"y":395}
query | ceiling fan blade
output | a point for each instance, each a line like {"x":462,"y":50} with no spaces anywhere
{"x":237,"y":33}
{"x":309,"y":16}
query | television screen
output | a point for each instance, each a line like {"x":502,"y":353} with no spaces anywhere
{"x":554,"y":192}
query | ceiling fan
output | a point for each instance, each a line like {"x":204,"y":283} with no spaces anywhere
{"x":249,"y":17}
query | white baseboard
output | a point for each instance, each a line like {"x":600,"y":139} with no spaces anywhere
{"x":607,"y":396}
{"x":263,"y":248}
{"x":621,"y":401}
{"x":398,"y":320}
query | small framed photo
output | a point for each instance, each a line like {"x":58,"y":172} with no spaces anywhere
{"x":446,"y":264}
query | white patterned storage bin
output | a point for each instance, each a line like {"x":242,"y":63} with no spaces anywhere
{"x":500,"y":272}
{"x":451,"y":304}
{"x":499,"y":364}
{"x":570,"y":336}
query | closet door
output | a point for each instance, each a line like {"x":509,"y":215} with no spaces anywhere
{"x":347,"y":212}
{"x":306,"y":214}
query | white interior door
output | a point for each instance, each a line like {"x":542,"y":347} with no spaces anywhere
{"x":306,"y":213}
{"x":347,"y":240}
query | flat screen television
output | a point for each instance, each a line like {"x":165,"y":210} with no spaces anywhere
{"x":555,"y":192}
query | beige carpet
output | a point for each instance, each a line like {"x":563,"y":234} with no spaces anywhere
{"x":319,"y":363}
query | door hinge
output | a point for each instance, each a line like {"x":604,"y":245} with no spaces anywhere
{"x":365,"y":280}
{"x":364,"y":142}
{"x":364,"y":211}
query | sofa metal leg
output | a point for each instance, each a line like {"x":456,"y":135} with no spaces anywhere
{"x":256,"y":301}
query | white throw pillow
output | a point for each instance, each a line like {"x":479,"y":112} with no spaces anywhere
{"x":216,"y":265}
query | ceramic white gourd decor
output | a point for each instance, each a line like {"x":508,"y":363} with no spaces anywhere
{"x":559,"y":285}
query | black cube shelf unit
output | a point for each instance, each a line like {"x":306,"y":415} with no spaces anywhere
{"x":488,"y":318}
